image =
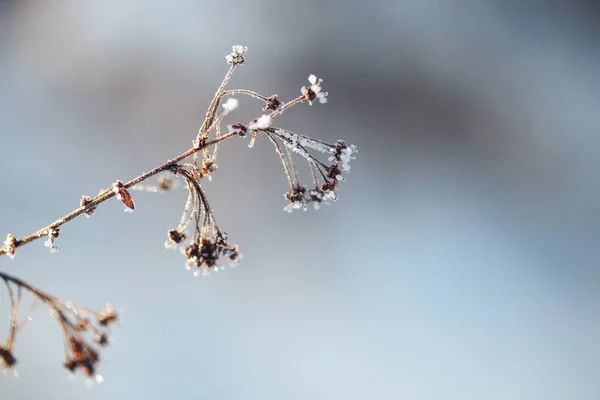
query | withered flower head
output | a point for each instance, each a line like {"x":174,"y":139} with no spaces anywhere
{"x":101,"y":338}
{"x":107,"y":316}
{"x":296,"y":198}
{"x":272,"y":103}
{"x":314,"y":91}
{"x":174,"y":238}
{"x":7,"y":360}
{"x":236,"y":56}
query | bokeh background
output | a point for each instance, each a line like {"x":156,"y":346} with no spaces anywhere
{"x":461,"y":261}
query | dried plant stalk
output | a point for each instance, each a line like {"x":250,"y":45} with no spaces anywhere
{"x":199,"y":237}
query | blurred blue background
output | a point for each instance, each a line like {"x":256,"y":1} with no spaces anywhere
{"x":461,"y":261}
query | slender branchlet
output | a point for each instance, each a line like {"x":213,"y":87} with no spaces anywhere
{"x":205,"y":246}
{"x":84,"y":330}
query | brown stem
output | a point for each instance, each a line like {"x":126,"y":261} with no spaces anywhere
{"x":108,"y":193}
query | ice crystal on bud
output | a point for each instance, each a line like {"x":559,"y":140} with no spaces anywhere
{"x":10,"y":245}
{"x":343,"y":154}
{"x":52,"y":235}
{"x":230,"y":105}
{"x":314,"y":91}
{"x":240,"y":129}
{"x":296,"y":199}
{"x":237,"y":55}
{"x":273,"y":103}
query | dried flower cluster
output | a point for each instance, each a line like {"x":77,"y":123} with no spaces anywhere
{"x":84,"y":331}
{"x":205,"y":246}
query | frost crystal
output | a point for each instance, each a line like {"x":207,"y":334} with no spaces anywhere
{"x":230,"y":105}
{"x":52,"y":235}
{"x":262,"y":123}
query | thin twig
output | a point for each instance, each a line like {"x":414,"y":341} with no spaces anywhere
{"x":108,"y":193}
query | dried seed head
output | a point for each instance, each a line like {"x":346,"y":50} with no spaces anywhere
{"x":272,"y":103}
{"x":107,"y":316}
{"x":83,"y":324}
{"x":328,"y":186}
{"x":70,"y":364}
{"x":343,"y":154}
{"x":10,"y":245}
{"x":101,"y":339}
{"x":296,"y":198}
{"x":208,"y":167}
{"x":174,"y":238}
{"x":236,"y":56}
{"x":7,"y":360}
{"x":205,"y":255}
{"x":314,"y":91}
{"x":333,"y":172}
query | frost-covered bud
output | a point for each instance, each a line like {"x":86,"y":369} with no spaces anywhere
{"x":122,"y":194}
{"x":343,"y":154}
{"x":234,"y":255}
{"x":240,"y":129}
{"x":230,"y":105}
{"x":314,"y":91}
{"x":317,"y":196}
{"x":174,"y":238}
{"x":107,"y":316}
{"x":272,"y":103}
{"x":237,"y":55}
{"x":7,"y":360}
{"x":296,"y":198}
{"x":208,"y":167}
{"x":328,"y":189}
{"x":101,"y":339}
{"x":52,"y":235}
{"x":261,"y":123}
{"x":333,"y":172}
{"x":10,"y":245}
